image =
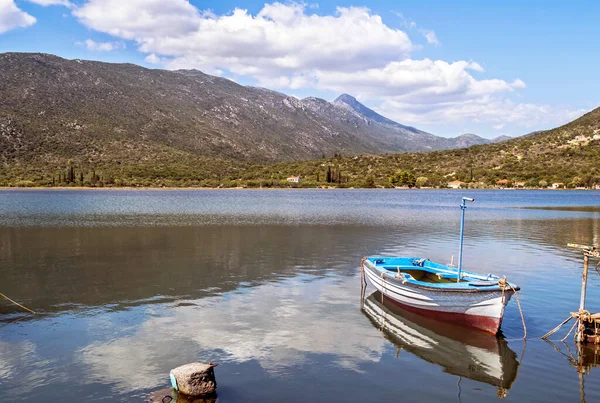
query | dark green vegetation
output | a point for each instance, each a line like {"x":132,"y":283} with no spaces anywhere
{"x":83,"y":123}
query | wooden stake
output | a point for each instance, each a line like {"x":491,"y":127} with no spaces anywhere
{"x":580,"y":328}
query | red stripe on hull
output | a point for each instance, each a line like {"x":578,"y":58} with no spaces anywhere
{"x":484,"y":323}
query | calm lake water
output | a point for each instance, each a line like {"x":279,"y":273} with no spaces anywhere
{"x":130,"y":284}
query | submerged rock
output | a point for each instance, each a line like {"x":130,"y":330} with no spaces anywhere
{"x":172,"y":396}
{"x":194,"y":379}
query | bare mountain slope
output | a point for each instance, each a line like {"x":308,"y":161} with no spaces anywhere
{"x":103,"y":114}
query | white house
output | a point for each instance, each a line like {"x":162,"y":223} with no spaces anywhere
{"x":558,"y":185}
{"x":294,"y":179}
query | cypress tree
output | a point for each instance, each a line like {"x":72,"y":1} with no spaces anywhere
{"x":70,"y":172}
{"x":328,"y":174}
{"x":81,"y":177}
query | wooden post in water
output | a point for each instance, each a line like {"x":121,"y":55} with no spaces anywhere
{"x":586,"y":262}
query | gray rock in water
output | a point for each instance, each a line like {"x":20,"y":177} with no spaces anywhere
{"x":194,"y":379}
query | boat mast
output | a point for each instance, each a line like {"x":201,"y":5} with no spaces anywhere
{"x":463,"y":207}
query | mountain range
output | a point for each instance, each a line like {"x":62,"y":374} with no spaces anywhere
{"x":98,"y":114}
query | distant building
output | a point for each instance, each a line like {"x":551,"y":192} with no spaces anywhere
{"x":558,"y":185}
{"x":294,"y":179}
{"x":456,"y":184}
{"x":520,"y":185}
{"x":502,"y":182}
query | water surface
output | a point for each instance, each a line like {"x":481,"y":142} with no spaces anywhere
{"x":129,"y":284}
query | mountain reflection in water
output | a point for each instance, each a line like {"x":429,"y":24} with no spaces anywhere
{"x":473,"y":355}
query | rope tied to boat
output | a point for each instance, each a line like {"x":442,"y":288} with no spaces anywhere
{"x":363,"y":281}
{"x":502,"y":283}
{"x":583,"y":315}
{"x":17,"y":304}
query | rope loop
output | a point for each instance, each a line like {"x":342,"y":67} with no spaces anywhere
{"x":504,"y":285}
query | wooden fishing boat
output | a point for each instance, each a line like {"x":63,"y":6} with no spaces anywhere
{"x":441,"y":291}
{"x":473,"y":355}
{"x":431,"y":289}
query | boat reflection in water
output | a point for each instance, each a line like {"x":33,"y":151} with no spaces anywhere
{"x":473,"y":355}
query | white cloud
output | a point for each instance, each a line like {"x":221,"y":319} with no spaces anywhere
{"x":499,"y":127}
{"x":485,"y":109}
{"x":417,"y":81}
{"x":477,"y":67}
{"x":46,"y":3}
{"x":280,"y":39}
{"x":431,"y":37}
{"x":12,"y":17}
{"x":153,"y":59}
{"x":101,"y":46}
{"x":142,"y":20}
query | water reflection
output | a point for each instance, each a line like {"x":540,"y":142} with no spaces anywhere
{"x":583,"y":357}
{"x":132,"y":284}
{"x":467,"y":354}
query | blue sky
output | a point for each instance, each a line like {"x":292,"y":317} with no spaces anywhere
{"x":485,"y":67}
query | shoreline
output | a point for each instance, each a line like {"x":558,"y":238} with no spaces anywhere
{"x":129,"y":188}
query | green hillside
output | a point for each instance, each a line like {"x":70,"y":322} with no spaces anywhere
{"x":568,"y":154}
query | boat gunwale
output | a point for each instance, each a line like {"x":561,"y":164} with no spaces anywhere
{"x":422,"y":285}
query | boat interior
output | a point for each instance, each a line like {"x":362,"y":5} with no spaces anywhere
{"x":422,"y":270}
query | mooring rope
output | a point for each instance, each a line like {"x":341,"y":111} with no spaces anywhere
{"x":363,"y":282}
{"x":551,"y":332}
{"x":362,"y":270}
{"x":572,"y":327}
{"x":503,"y":283}
{"x":16,"y":303}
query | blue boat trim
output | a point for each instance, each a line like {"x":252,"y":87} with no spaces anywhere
{"x":394,"y":269}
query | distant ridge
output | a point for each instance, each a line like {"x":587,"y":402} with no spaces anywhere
{"x":500,"y":139}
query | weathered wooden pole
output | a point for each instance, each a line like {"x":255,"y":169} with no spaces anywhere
{"x":580,"y":328}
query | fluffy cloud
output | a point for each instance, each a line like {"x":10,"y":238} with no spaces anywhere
{"x":12,"y":17}
{"x":46,"y":3}
{"x":417,"y":81}
{"x":280,"y":39}
{"x":153,"y":59}
{"x":140,"y":20}
{"x":485,"y":109}
{"x":101,"y":46}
